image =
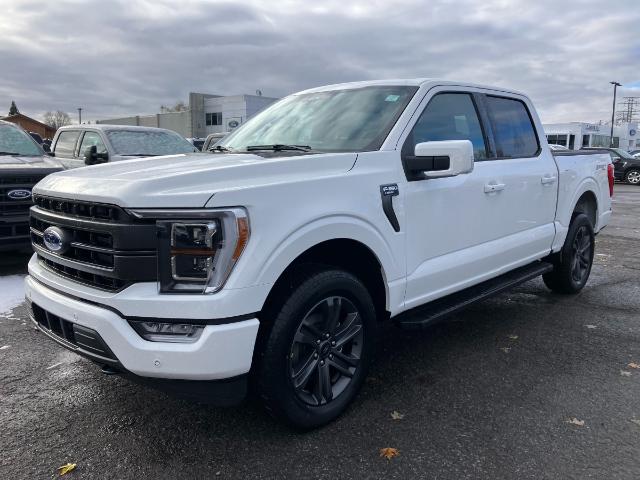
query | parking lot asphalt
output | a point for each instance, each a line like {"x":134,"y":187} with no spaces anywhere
{"x":500,"y":391}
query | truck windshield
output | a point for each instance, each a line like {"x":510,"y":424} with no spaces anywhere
{"x":13,"y":141}
{"x":351,"y":120}
{"x":138,"y":143}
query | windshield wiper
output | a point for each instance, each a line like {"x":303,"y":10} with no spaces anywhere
{"x":9,"y":153}
{"x":277,"y":147}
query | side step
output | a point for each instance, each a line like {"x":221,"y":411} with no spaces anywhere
{"x":425,"y":315}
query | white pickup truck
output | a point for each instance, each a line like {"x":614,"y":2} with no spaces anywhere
{"x":271,"y":261}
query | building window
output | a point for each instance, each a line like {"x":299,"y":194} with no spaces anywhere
{"x":557,"y":139}
{"x":213,"y":118}
{"x":604,"y":141}
{"x":585,"y":140}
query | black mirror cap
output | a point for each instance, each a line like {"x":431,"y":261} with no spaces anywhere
{"x":46,"y":148}
{"x":92,"y":157}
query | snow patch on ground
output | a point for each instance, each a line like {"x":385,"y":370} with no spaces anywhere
{"x":11,"y":292}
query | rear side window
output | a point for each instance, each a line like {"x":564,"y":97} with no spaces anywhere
{"x":448,"y":116}
{"x":66,"y":143}
{"x":513,"y":129}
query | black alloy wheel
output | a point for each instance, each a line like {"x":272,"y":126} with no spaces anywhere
{"x":582,"y":255}
{"x":326,"y":350}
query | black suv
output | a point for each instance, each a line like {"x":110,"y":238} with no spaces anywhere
{"x":23,"y":163}
{"x":626,"y":168}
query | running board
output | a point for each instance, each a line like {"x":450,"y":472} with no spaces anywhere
{"x":432,"y":312}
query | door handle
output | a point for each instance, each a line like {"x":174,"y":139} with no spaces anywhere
{"x":548,"y":180}
{"x":494,"y":187}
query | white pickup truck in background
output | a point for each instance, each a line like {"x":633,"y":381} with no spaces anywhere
{"x":272,"y":260}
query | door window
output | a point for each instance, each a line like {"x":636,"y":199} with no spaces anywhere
{"x":66,"y":144}
{"x":89,"y":140}
{"x":448,"y":116}
{"x":513,"y":128}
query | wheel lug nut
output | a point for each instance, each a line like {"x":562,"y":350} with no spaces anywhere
{"x":326,"y":335}
{"x":333,"y":343}
{"x":321,"y":362}
{"x":331,"y":355}
{"x":318,"y":341}
{"x":315,"y":355}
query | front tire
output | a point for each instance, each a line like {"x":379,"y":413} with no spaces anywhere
{"x":315,"y":355}
{"x":572,"y":265}
{"x":632,"y":177}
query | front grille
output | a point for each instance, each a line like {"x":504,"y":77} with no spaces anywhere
{"x":108,"y":250}
{"x":14,"y":208}
{"x":82,"y":338}
{"x":80,"y":209}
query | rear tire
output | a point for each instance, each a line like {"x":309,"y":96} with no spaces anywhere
{"x":572,"y":265}
{"x":632,"y":177}
{"x":316,"y":348}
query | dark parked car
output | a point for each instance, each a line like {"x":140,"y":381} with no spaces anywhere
{"x":626,"y":166}
{"x":23,"y":163}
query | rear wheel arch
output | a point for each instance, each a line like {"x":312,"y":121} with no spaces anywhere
{"x":587,"y":204}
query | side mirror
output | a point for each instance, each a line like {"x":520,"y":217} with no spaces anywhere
{"x":441,"y":159}
{"x":46,"y":148}
{"x":92,"y":157}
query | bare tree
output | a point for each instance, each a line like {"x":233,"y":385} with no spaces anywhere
{"x":178,"y":107}
{"x":57,"y":119}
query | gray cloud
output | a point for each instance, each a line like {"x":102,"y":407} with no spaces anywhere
{"x":125,"y":57}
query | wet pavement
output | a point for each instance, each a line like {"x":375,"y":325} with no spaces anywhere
{"x":487,"y":395}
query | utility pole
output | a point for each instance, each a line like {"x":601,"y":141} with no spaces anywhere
{"x":80,"y":115}
{"x":613,"y":114}
{"x":628,"y":109}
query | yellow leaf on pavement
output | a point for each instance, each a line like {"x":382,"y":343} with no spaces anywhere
{"x":389,"y":452}
{"x":64,"y":469}
{"x":397,"y":415}
{"x":624,"y":373}
{"x":575,"y":421}
{"x":633,"y":365}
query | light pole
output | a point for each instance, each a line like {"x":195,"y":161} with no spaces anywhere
{"x":80,"y":115}
{"x":613,"y":114}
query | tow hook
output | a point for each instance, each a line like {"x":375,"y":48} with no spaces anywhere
{"x":109,"y":370}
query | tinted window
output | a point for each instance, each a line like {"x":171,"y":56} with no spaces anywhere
{"x":448,"y":116}
{"x":66,"y":144}
{"x":512,"y":128}
{"x":14,"y":141}
{"x":89,"y":140}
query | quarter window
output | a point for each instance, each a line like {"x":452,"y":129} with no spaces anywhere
{"x":448,"y":116}
{"x":513,"y":129}
{"x":66,"y":143}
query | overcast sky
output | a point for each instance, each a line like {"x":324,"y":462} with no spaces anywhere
{"x":116,"y":58}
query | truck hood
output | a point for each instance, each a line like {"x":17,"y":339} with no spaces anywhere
{"x":18,"y":163}
{"x":186,"y":181}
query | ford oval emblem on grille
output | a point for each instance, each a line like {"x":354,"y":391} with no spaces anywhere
{"x":55,"y":239}
{"x":19,"y":194}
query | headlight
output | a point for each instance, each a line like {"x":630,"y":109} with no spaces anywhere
{"x":197,"y":249}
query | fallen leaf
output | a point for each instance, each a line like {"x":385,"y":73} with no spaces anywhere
{"x":624,"y":373}
{"x":4,"y":347}
{"x":575,"y":421}
{"x":591,"y":326}
{"x":389,"y":452}
{"x":513,"y":336}
{"x":64,"y":469}
{"x":506,"y":349}
{"x":633,"y":365}
{"x":636,"y":421}
{"x":397,"y":415}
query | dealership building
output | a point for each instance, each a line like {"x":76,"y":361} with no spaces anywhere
{"x":205,"y":114}
{"x":577,"y":135}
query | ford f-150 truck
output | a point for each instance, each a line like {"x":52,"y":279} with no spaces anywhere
{"x":271,"y":261}
{"x":23,"y":163}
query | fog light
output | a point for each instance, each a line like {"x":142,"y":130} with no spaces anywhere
{"x":168,"y":332}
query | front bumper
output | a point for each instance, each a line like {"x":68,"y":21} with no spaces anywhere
{"x":222,"y":351}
